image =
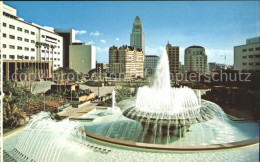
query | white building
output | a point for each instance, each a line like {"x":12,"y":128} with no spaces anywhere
{"x":195,"y":59}
{"x":82,"y":57}
{"x":150,"y":64}
{"x":137,"y":35}
{"x":28,"y":44}
{"x":247,"y":57}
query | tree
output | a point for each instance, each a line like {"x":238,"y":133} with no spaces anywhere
{"x":27,"y":75}
{"x":12,"y":114}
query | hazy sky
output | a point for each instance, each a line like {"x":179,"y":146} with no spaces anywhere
{"x":217,"y":26}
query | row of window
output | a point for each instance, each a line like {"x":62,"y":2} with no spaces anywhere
{"x":18,"y":29}
{"x":18,"y":57}
{"x":18,"y":38}
{"x":251,"y":49}
{"x":47,"y":58}
{"x":19,"y":48}
{"x":27,"y":57}
{"x":251,"y":63}
{"x":45,"y":51}
{"x":251,"y":56}
{"x":27,"y":49}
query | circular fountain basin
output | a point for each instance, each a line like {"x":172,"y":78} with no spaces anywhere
{"x":162,"y":147}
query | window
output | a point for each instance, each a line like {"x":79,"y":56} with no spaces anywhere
{"x":4,"y":56}
{"x":244,"y":63}
{"x":12,"y":56}
{"x":43,"y":51}
{"x":257,"y":48}
{"x":32,"y":58}
{"x":32,"y":41}
{"x":257,"y":56}
{"x":250,"y":63}
{"x":11,"y":36}
{"x":19,"y":57}
{"x":4,"y":24}
{"x":43,"y":36}
{"x":11,"y":47}
{"x":26,"y":40}
{"x":257,"y":63}
{"x":19,"y":38}
{"x":19,"y":29}
{"x":58,"y":59}
{"x":4,"y":35}
{"x":244,"y":50}
{"x":26,"y":57}
{"x":33,"y":33}
{"x":26,"y":31}
{"x":55,"y":59}
{"x":251,"y":56}
{"x":244,"y":57}
{"x":32,"y":49}
{"x":4,"y":45}
{"x":43,"y":58}
{"x":26,"y":48}
{"x":11,"y":27}
{"x":20,"y":48}
{"x":250,"y":49}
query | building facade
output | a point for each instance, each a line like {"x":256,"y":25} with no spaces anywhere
{"x":82,"y":57}
{"x":150,"y":64}
{"x":137,"y":36}
{"x":247,"y":57}
{"x":195,"y":59}
{"x":68,"y":36}
{"x":173,"y":56}
{"x":126,"y":62}
{"x":26,"y":44}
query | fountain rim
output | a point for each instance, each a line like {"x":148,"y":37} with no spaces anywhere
{"x":238,"y":144}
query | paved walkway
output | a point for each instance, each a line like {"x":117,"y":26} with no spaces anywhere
{"x":72,"y":112}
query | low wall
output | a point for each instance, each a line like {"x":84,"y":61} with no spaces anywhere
{"x":174,"y":147}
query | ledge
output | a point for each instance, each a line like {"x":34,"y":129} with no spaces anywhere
{"x":243,"y":143}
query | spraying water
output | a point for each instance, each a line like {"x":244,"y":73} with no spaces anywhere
{"x":114,"y":109}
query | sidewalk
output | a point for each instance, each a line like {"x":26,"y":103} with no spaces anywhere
{"x":72,"y":112}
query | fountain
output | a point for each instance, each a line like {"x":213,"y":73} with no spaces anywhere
{"x":159,"y":117}
{"x":172,"y":110}
{"x":114,"y":109}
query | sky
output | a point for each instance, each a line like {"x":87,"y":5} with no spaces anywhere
{"x":218,"y":26}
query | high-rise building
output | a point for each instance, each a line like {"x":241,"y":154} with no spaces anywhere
{"x":173,"y":55}
{"x":26,"y":44}
{"x":195,"y":59}
{"x":68,"y":38}
{"x":150,"y":64}
{"x":137,"y":35}
{"x":247,"y":57}
{"x":126,"y":62}
{"x":212,"y":66}
{"x":82,"y":57}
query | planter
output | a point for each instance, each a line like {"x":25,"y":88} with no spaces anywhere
{"x":82,"y":98}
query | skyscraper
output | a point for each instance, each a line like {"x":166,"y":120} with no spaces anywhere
{"x":173,"y":55}
{"x":137,"y":35}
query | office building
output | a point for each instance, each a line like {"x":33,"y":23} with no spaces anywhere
{"x":150,"y":64}
{"x":137,"y":35}
{"x":82,"y":57}
{"x":68,"y":36}
{"x":247,"y":57}
{"x":173,"y":56}
{"x":126,"y":62}
{"x":195,"y":59}
{"x":25,"y":44}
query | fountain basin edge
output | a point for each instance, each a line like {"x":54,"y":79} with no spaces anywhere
{"x":243,"y":143}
